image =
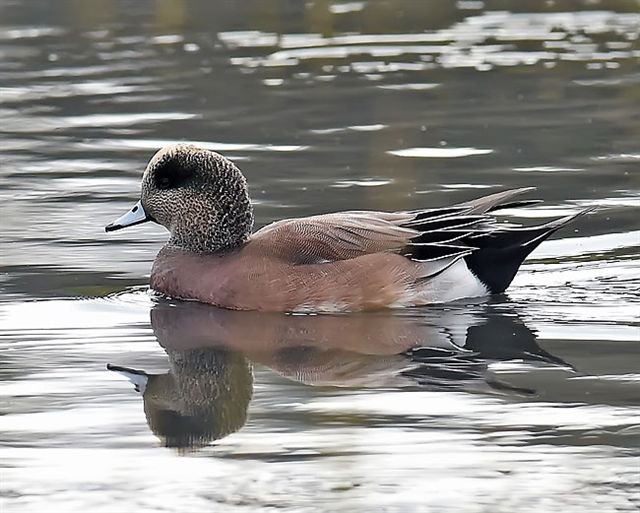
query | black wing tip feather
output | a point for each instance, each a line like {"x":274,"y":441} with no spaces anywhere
{"x":516,"y":204}
{"x":428,"y":252}
{"x":445,"y":236}
{"x":436,"y":213}
{"x":446,"y":222}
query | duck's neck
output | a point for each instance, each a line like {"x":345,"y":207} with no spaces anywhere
{"x":204,"y":248}
{"x":219,"y":230}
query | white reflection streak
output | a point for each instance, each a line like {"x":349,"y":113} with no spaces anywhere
{"x":154,"y":144}
{"x":439,"y":152}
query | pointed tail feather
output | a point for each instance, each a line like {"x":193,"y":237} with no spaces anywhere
{"x":500,"y":253}
{"x":482,"y":205}
{"x":553,"y":226}
{"x":494,"y":201}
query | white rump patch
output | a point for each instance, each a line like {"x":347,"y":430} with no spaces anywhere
{"x":456,"y":282}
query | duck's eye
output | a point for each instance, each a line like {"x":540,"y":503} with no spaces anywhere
{"x":170,"y":175}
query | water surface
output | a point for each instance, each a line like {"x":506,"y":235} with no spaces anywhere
{"x":527,"y":402}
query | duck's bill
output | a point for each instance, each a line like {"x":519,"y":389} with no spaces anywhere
{"x":136,"y":215}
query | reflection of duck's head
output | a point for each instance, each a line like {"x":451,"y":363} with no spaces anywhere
{"x":204,"y":397}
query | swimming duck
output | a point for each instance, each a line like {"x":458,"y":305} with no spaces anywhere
{"x":343,"y":261}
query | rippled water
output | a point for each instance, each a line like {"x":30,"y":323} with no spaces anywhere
{"x":527,"y":402}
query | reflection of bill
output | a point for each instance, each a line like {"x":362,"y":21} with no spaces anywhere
{"x":206,"y":393}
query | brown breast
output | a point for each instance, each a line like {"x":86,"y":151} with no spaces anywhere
{"x":247,"y":280}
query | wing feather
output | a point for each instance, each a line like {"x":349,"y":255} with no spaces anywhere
{"x":421,"y":235}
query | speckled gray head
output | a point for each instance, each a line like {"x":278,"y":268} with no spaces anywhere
{"x":200,"y":196}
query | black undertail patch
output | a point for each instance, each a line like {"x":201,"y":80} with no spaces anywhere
{"x":501,"y":252}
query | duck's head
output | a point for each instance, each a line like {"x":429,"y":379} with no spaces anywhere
{"x":200,"y":196}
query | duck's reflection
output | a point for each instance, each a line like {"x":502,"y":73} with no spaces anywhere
{"x":206,"y":393}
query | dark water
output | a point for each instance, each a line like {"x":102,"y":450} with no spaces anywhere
{"x":530,"y":402}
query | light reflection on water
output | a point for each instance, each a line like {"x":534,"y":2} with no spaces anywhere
{"x":530,"y":402}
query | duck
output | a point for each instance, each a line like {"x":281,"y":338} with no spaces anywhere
{"x":347,"y":261}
